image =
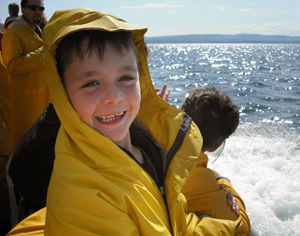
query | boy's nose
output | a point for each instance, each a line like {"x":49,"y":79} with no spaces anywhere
{"x":111,"y":95}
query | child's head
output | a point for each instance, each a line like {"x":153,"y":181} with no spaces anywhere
{"x":72,"y":46}
{"x":100,"y":73}
{"x":214,"y":113}
{"x":13,"y":9}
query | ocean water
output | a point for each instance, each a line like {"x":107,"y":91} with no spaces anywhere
{"x":262,"y":158}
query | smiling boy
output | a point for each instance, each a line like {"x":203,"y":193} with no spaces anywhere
{"x":122,"y":153}
{"x":103,"y":86}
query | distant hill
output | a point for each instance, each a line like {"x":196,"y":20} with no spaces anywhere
{"x":223,"y":38}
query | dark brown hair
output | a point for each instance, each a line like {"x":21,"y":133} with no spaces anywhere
{"x":214,"y":113}
{"x":14,"y":7}
{"x":24,"y":3}
{"x":71,"y":46}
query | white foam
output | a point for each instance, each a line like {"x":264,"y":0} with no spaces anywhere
{"x":263,"y":164}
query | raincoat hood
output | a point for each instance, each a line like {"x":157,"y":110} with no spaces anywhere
{"x":64,"y":23}
{"x":156,"y":118}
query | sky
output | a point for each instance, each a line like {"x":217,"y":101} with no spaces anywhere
{"x":182,"y":17}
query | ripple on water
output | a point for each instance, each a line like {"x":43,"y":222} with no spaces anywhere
{"x":267,"y":75}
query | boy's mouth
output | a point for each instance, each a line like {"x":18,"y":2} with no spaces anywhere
{"x":106,"y":119}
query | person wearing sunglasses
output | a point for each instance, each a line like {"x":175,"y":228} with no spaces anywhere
{"x":22,"y":48}
{"x":33,"y":13}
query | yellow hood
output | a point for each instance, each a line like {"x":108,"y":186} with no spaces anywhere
{"x":161,"y":129}
{"x":156,"y":118}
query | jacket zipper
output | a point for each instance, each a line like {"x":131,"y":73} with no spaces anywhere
{"x":177,"y":144}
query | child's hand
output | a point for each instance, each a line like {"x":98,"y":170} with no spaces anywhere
{"x":232,"y":202}
{"x":164,"y":94}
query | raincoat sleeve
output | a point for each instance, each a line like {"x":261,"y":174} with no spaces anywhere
{"x":243,"y":214}
{"x":203,"y":196}
{"x":5,"y":145}
{"x":5,"y":132}
{"x":103,"y":219}
{"x":17,"y":57}
{"x":198,"y":226}
{"x":33,"y":225}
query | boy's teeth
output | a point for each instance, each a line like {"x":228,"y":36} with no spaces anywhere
{"x":109,"y":118}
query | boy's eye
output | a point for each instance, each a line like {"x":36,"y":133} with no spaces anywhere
{"x":90,"y":84}
{"x":126,"y":78}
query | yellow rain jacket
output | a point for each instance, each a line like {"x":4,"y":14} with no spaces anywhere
{"x":198,"y":197}
{"x":24,"y":62}
{"x":96,"y":188}
{"x":5,"y":111}
{"x":5,"y":90}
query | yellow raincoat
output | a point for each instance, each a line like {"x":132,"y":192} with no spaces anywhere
{"x":196,"y":197}
{"x":5,"y":111}
{"x":96,"y":188}
{"x":24,"y":62}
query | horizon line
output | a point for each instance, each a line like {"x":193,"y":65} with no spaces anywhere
{"x":223,"y":34}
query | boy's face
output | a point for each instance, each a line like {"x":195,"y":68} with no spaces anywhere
{"x":106,"y":94}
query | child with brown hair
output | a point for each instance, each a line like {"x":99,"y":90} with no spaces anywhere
{"x":214,"y":113}
{"x":13,"y":10}
{"x":122,"y":153}
{"x":217,"y":117}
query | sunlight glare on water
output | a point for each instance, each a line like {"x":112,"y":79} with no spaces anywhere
{"x":262,"y":158}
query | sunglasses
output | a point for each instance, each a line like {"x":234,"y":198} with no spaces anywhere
{"x":34,"y":8}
